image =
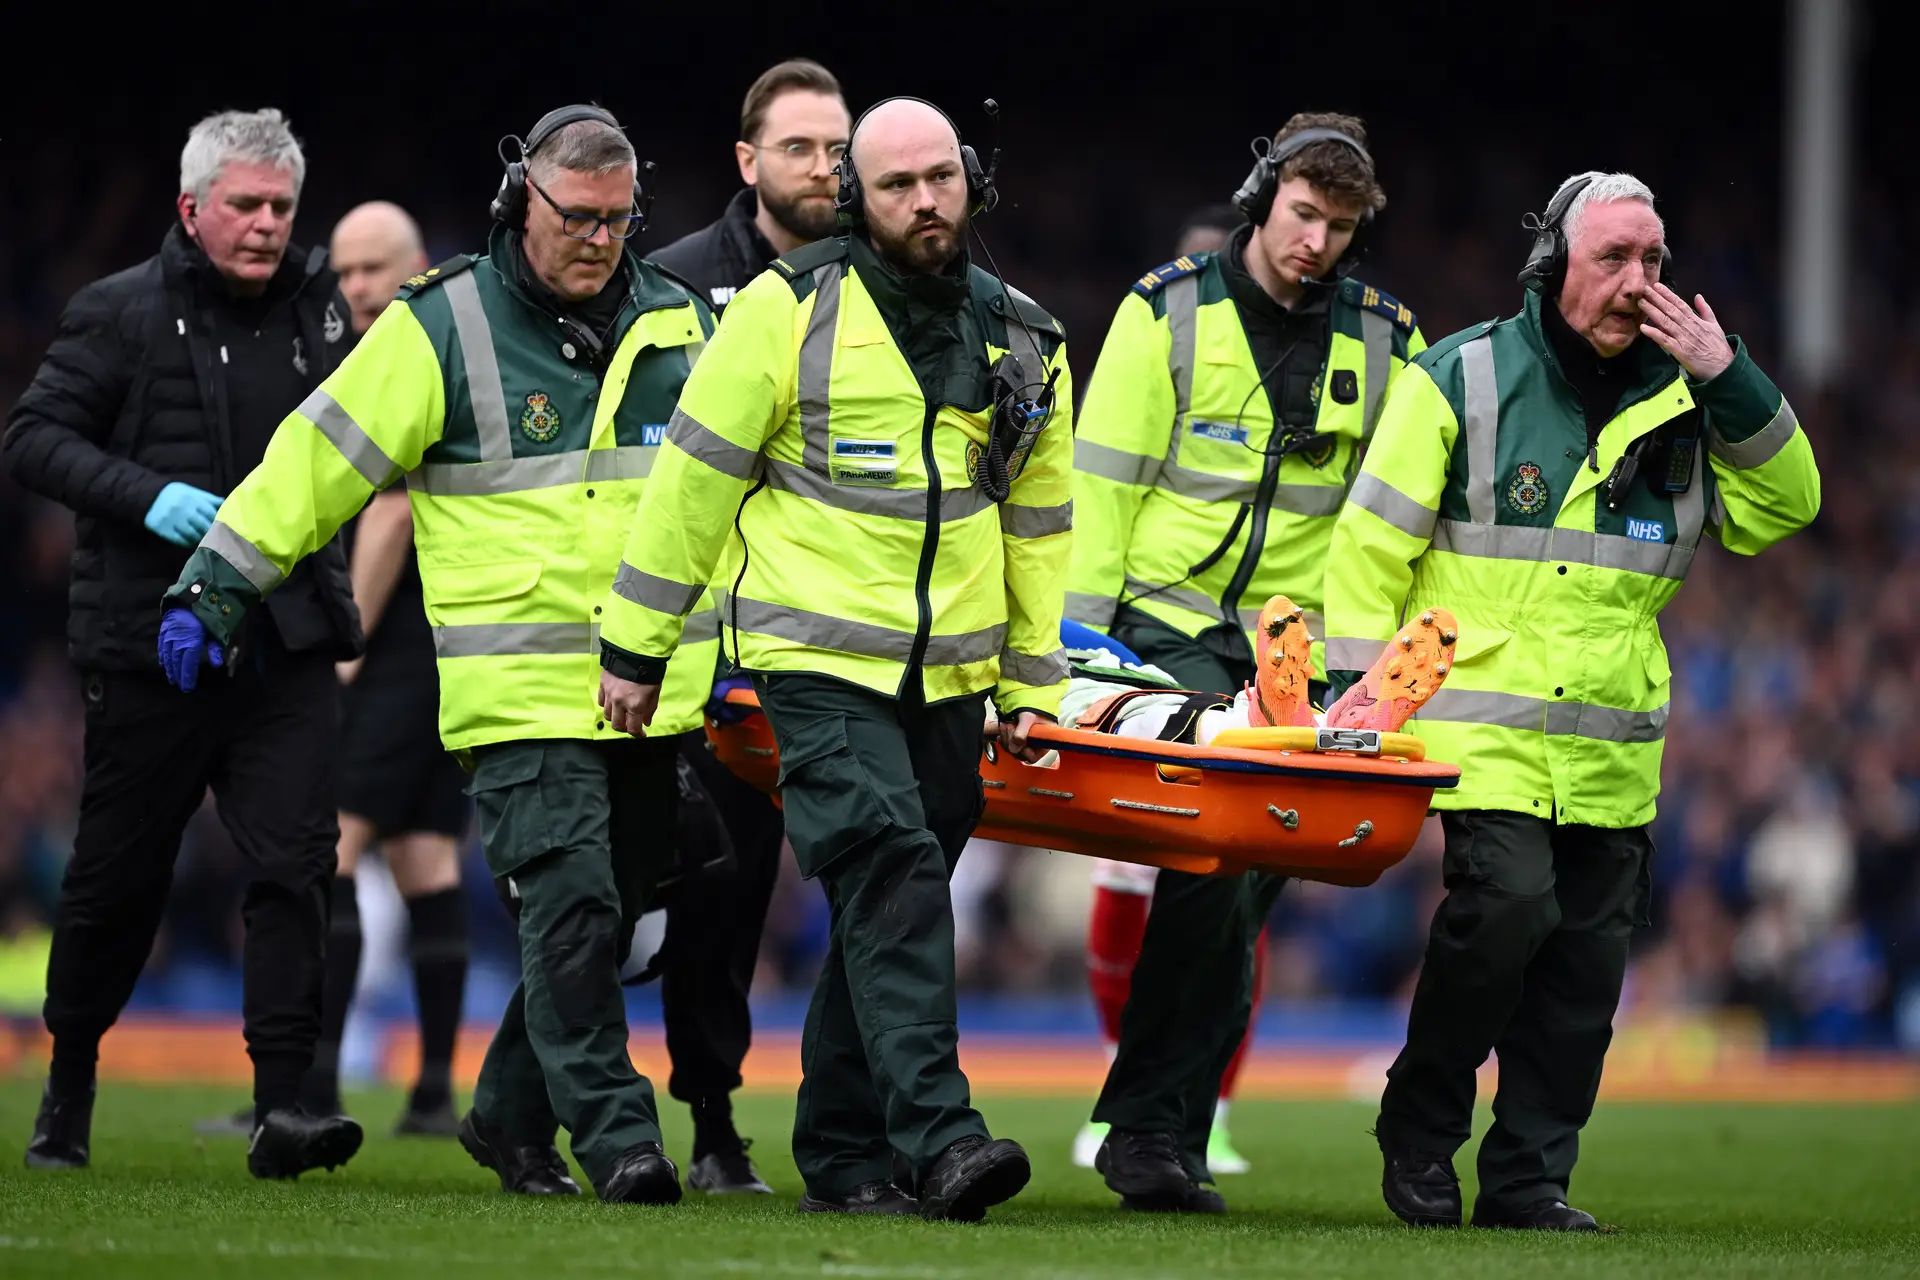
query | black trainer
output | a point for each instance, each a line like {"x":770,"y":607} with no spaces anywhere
{"x":1146,"y":1169}
{"x":62,"y":1131}
{"x":1420,"y":1186}
{"x":871,"y":1198}
{"x":642,"y":1175}
{"x":428,"y":1122}
{"x":972,"y":1176}
{"x":1542,"y":1215}
{"x":286,"y":1143}
{"x":532,"y":1170}
{"x":727,"y":1171}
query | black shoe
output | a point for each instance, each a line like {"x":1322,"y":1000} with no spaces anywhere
{"x":727,"y":1172}
{"x":873,"y":1198}
{"x":1199,"y":1199}
{"x":1420,"y":1187}
{"x":524,"y":1171}
{"x":1145,"y":1168}
{"x":1541,"y":1215}
{"x":642,"y":1175}
{"x":972,"y":1176}
{"x":429,"y":1122}
{"x":62,"y":1132}
{"x":287,"y":1143}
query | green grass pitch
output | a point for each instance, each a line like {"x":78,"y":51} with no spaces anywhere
{"x":1695,"y":1191}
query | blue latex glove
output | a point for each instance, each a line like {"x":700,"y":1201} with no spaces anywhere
{"x":182,"y":640}
{"x":182,"y":514}
{"x":718,"y":708}
{"x":1077,"y":635}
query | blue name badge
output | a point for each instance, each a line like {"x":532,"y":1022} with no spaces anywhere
{"x":1647,"y":530}
{"x":863,"y":462}
{"x":1225,"y":432}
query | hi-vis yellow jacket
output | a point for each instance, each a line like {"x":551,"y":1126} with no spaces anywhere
{"x":834,"y":419}
{"x":1186,"y":509}
{"x":1478,"y":495}
{"x":524,"y":464}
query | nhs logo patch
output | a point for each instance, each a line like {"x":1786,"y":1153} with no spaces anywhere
{"x":652,"y":433}
{"x":1226,"y":432}
{"x":1647,"y":530}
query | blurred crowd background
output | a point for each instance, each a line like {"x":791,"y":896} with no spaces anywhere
{"x":1788,"y":877}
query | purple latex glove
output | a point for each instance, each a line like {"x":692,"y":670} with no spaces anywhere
{"x":718,"y":708}
{"x":182,"y":640}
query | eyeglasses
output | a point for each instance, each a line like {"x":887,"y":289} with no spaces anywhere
{"x":798,"y":153}
{"x":584,"y":226}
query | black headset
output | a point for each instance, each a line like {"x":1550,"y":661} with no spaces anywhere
{"x":1256,"y":195}
{"x":510,"y":204}
{"x":850,"y":202}
{"x":1546,"y":267}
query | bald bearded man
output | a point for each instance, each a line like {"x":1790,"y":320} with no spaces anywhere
{"x":883,"y":582}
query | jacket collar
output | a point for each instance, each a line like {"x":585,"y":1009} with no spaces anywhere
{"x":1643,"y":368}
{"x":897,"y":295}
{"x":1315,"y":299}
{"x":742,"y":234}
{"x":182,"y":259}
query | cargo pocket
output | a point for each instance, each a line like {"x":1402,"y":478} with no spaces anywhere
{"x":515,"y":827}
{"x":829,"y":800}
{"x":580,"y":964}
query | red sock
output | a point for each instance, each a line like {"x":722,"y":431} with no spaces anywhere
{"x":1259,"y":989}
{"x":1114,"y":932}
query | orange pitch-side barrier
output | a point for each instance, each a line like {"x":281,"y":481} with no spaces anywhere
{"x":1258,"y":799}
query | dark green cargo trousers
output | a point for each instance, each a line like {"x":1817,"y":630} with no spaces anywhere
{"x":1525,"y":959}
{"x":577,"y":832}
{"x":1192,"y":991}
{"x":880,"y":797}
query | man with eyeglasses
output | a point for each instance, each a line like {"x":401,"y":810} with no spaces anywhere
{"x":793,"y":130}
{"x":522,"y":394}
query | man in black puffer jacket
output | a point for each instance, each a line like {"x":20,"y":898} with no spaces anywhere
{"x":161,"y":390}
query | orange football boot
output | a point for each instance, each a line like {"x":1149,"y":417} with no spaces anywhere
{"x":1407,"y":672}
{"x":1283,"y":652}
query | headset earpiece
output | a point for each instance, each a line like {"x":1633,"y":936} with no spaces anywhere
{"x":1547,"y":260}
{"x":1262,"y":186}
{"x":850,"y":201}
{"x":510,"y":202}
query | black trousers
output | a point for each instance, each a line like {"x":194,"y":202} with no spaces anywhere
{"x":1526,"y":958}
{"x":713,"y":937}
{"x":263,"y":738}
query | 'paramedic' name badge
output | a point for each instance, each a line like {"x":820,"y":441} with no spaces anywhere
{"x":863,"y":462}
{"x":1360,"y":742}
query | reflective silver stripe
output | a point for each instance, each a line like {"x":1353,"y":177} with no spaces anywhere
{"x":1035,"y":522}
{"x":662,"y":595}
{"x":693,"y":350}
{"x":514,"y":639}
{"x":623,"y":462}
{"x":1035,"y":672}
{"x":1185,"y":597}
{"x":1566,"y":546}
{"x":1539,"y":715}
{"x":1376,"y":336}
{"x":1114,"y":464}
{"x":1373,"y":494}
{"x":354,"y":444}
{"x":900,"y":504}
{"x":242,"y":555}
{"x":1183,"y":334}
{"x":483,"y":368}
{"x":1717,"y":515}
{"x":1689,"y":518}
{"x":816,"y":368}
{"x":1316,"y":623}
{"x":701,"y":627}
{"x":511,"y":475}
{"x":1298,"y":499}
{"x":1759,"y":448}
{"x":1091,"y":610}
{"x":1345,"y":653}
{"x":865,"y":639}
{"x":712,"y":448}
{"x":1482,"y":425}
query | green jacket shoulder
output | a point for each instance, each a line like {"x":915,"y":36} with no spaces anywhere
{"x":1364,"y":297}
{"x":1010,"y":306}
{"x":797,"y":268}
{"x":435,"y":276}
{"x":657,"y":289}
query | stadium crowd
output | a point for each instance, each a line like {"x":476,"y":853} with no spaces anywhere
{"x":1788,"y":874}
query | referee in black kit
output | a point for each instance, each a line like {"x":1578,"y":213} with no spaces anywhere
{"x":793,"y":131}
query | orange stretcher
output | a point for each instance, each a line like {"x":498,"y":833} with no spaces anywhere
{"x":1258,"y":799}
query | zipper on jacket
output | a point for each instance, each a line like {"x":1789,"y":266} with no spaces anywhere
{"x":929,"y":548}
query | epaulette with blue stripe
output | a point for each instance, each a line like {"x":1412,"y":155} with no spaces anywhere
{"x":1162,"y":276}
{"x":436,"y":274}
{"x":1357,"y":293}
